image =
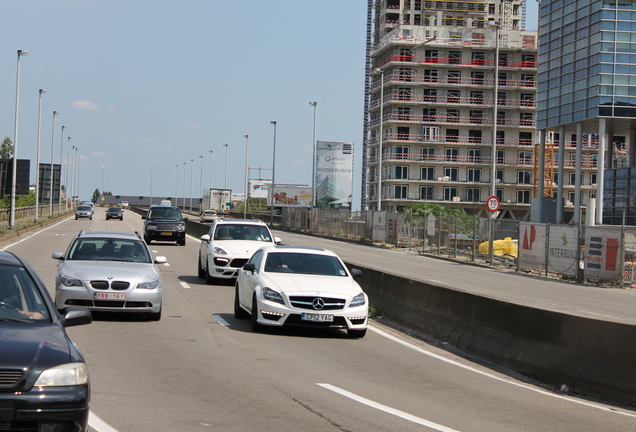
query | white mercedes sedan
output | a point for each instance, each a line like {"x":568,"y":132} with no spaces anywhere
{"x":300,"y":286}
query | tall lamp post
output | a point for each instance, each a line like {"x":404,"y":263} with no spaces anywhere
{"x":246,"y":169}
{"x":79,"y":167}
{"x":211,"y":165}
{"x":68,"y":168}
{"x":52,"y":150}
{"x":273,"y":177}
{"x":493,"y":168}
{"x":313,"y":160}
{"x":73,"y":177}
{"x":381,"y":72}
{"x":225,"y":182}
{"x":176,"y":185}
{"x":37,"y":158}
{"x":191,"y":171}
{"x":184,"y":185}
{"x":201,"y":184}
{"x":14,"y":172}
{"x":59,"y":201}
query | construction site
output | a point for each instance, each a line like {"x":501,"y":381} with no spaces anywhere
{"x":451,"y":110}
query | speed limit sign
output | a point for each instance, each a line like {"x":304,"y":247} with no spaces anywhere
{"x":492,"y":204}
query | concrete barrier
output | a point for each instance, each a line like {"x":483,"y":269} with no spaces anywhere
{"x":592,"y":357}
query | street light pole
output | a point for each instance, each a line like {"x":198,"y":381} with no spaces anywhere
{"x":79,"y":168}
{"x":51,"y":179}
{"x":379,"y":207}
{"x":184,"y":185}
{"x":59,"y":202}
{"x":246,"y":169}
{"x":176,"y":185}
{"x":68,"y":168}
{"x":201,"y":184}
{"x":313,"y":160}
{"x":191,"y":171}
{"x":211,"y":165}
{"x":73,"y":177}
{"x":271,"y":194}
{"x":14,"y":172}
{"x":225,"y":183}
{"x":493,"y":168}
{"x":37,"y":158}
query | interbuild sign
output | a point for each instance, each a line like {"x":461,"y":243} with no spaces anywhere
{"x":334,"y":174}
{"x":561,"y":247}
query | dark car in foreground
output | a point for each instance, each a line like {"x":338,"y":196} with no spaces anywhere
{"x":44,"y":382}
{"x":165,"y":223}
{"x":115,"y":213}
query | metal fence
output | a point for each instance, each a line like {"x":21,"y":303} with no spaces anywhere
{"x":595,"y":254}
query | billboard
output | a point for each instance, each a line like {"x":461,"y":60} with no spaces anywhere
{"x":291,"y":196}
{"x":334,"y":174}
{"x":259,"y":188}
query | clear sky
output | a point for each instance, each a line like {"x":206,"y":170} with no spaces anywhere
{"x":146,"y":85}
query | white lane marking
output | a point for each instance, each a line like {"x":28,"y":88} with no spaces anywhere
{"x":220,"y":320}
{"x":505,"y":380}
{"x":98,"y":424}
{"x":183,"y":284}
{"x":34,"y":234}
{"x":387,"y":409}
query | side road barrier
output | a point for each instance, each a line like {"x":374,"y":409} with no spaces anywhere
{"x":592,"y":357}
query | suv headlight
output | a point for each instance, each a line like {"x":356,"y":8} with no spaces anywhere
{"x":69,"y":374}
{"x":70,"y":281}
{"x":151,"y":227}
{"x":357,"y":300}
{"x":180,"y":228}
{"x":149,"y":285}
{"x":219,"y":251}
{"x":272,"y":295}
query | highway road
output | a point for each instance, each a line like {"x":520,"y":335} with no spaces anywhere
{"x":199,"y":369}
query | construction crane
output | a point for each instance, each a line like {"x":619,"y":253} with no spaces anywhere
{"x":548,"y":169}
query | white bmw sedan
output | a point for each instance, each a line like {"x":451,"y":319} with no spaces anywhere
{"x":300,"y":286}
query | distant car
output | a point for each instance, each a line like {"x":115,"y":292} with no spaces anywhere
{"x":300,"y":286}
{"x":228,"y":245}
{"x":165,"y":223}
{"x":209,"y":216}
{"x":115,"y":213}
{"x":123,"y":204}
{"x":84,"y":211}
{"x":44,"y":381}
{"x":109,"y":271}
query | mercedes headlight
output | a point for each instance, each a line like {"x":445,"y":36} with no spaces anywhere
{"x":357,"y":300}
{"x":272,"y":295}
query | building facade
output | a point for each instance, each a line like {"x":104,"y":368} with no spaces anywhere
{"x":586,"y":110}
{"x":451,"y":95}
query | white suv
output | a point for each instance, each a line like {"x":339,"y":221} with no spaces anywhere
{"x":228,"y":245}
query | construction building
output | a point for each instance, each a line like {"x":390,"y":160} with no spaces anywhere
{"x":450,"y":86}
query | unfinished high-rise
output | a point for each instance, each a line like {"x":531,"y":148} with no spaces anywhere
{"x":450,"y":86}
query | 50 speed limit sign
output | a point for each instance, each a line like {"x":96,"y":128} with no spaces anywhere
{"x":492,"y":204}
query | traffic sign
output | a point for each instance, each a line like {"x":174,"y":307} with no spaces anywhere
{"x":493,"y":204}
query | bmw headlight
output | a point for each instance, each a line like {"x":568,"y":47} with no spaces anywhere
{"x":272,"y":295}
{"x":219,"y":251}
{"x":149,"y":285}
{"x":69,"y":374}
{"x":70,"y":281}
{"x":357,"y":300}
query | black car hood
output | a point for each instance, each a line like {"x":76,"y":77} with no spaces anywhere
{"x":34,"y":346}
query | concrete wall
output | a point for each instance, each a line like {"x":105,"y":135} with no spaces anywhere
{"x":591,"y":357}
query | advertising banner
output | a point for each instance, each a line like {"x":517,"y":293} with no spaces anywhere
{"x":562,"y":247}
{"x":291,"y":196}
{"x":532,"y":245}
{"x":334,"y":174}
{"x":602,"y":254}
{"x":259,"y":188}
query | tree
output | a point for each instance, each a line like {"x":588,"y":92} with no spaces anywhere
{"x":96,"y":195}
{"x":6,"y":148}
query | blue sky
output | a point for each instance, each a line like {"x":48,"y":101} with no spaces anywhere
{"x":145,"y":85}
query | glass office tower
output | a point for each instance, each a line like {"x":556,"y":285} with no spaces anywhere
{"x":587,"y":102}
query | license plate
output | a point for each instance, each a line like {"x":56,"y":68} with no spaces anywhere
{"x":109,"y":296}
{"x":316,"y":317}
{"x":166,"y":233}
